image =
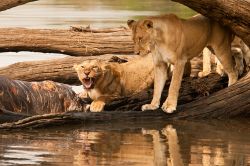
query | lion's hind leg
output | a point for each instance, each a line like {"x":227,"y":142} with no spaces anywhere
{"x":226,"y":59}
{"x":206,"y":55}
{"x":219,"y":68}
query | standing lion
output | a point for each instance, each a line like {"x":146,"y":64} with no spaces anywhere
{"x":174,"y":40}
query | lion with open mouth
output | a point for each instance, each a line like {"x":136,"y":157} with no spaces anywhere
{"x":106,"y":81}
{"x":89,"y":73}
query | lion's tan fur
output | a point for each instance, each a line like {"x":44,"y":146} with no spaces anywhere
{"x":174,"y":40}
{"x":240,"y":53}
{"x":117,"y":80}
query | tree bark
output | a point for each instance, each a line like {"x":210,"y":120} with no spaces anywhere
{"x":227,"y":103}
{"x":59,"y":70}
{"x":232,"y":13}
{"x":230,"y":102}
{"x":7,"y":4}
{"x":16,"y":92}
{"x":71,"y":42}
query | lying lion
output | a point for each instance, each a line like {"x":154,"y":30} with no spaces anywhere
{"x":174,"y":40}
{"x":105,"y":81}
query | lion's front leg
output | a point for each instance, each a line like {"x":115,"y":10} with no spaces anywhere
{"x":97,"y":106}
{"x":169,"y":106}
{"x":160,"y":72}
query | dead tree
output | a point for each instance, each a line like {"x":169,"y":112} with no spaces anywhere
{"x":231,"y":102}
{"x":61,"y":70}
{"x":191,"y":90}
{"x":77,"y":41}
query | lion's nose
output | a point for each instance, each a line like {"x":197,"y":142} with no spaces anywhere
{"x":86,"y":72}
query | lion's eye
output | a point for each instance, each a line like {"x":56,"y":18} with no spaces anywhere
{"x":95,"y":67}
{"x":82,"y":67}
{"x":140,"y":39}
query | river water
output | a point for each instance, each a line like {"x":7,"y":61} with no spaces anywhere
{"x":177,"y":143}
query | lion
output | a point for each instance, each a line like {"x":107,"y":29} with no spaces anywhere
{"x":106,"y":81}
{"x":173,"y":40}
{"x":240,"y":52}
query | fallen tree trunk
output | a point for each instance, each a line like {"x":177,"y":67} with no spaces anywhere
{"x":58,"y":70}
{"x":192,"y":89}
{"x":7,"y":4}
{"x":31,"y":98}
{"x":227,"y":103}
{"x":231,"y":102}
{"x":71,"y":42}
{"x":8,"y":116}
{"x":232,"y":13}
{"x":61,"y":70}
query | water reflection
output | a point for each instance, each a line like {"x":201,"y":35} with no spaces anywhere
{"x":155,"y":143}
{"x":166,"y":145}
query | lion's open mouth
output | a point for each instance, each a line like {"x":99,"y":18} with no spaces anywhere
{"x":88,"y":82}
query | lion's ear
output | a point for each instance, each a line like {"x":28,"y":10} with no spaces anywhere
{"x":131,"y":23}
{"x":106,"y":68}
{"x":148,"y":24}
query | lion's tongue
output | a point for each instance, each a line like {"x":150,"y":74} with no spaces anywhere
{"x":88,"y":83}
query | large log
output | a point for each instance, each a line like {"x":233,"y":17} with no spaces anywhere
{"x":231,"y":102}
{"x":192,"y":89}
{"x":7,"y":4}
{"x":232,"y":13}
{"x":77,"y":41}
{"x":58,"y":70}
{"x":61,"y":70}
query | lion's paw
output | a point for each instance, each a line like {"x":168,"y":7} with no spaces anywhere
{"x":220,"y":71}
{"x":150,"y":107}
{"x":168,"y":128}
{"x":168,"y":107}
{"x":97,"y":106}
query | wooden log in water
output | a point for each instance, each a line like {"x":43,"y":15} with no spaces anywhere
{"x":231,"y":102}
{"x":61,"y":70}
{"x":127,"y":108}
{"x":58,"y":70}
{"x":70,"y":42}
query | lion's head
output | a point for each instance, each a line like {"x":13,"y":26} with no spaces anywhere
{"x":90,"y":72}
{"x":141,"y":34}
